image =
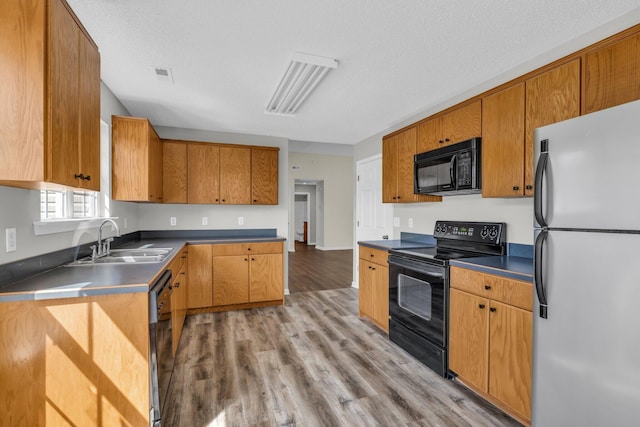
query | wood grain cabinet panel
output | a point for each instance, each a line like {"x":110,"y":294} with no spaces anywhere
{"x":174,"y":172}
{"x":265,"y":277}
{"x":230,"y":280}
{"x":50,"y":109}
{"x":468,"y":333}
{"x":235,"y":176}
{"x":398,"y":153}
{"x":136,"y":159}
{"x":550,"y":97}
{"x":612,"y":75}
{"x":78,"y":361}
{"x":264,"y":176}
{"x":373,"y":286}
{"x":200,"y":273}
{"x":503,"y":143}
{"x":455,"y":126}
{"x":203,"y":182}
{"x":510,"y":356}
{"x":490,"y":342}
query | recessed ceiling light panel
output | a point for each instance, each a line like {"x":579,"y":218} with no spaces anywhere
{"x":300,"y":79}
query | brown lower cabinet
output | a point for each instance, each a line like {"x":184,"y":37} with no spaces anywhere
{"x":229,"y":276}
{"x":179,"y":296}
{"x":75,"y":361}
{"x":373,"y":286}
{"x":490,"y":338}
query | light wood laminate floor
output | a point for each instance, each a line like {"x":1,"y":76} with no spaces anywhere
{"x":310,"y":363}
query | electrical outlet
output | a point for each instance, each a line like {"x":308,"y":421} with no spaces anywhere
{"x":396,"y":221}
{"x":205,"y":220}
{"x":11,"y":239}
{"x":410,"y":222}
{"x":240,"y":220}
{"x":172,"y":220}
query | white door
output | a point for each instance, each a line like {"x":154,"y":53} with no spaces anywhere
{"x":373,"y":218}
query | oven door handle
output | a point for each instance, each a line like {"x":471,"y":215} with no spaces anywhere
{"x":417,"y":266}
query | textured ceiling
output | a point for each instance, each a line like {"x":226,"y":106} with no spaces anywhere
{"x":397,"y":58}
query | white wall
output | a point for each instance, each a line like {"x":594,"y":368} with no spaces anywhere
{"x":335,"y":229}
{"x":20,"y":208}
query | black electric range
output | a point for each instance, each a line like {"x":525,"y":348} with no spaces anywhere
{"x":419,"y":287}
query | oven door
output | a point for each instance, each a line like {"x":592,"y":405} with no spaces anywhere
{"x":418,"y":298}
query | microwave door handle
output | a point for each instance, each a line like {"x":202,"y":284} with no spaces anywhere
{"x":453,"y":172}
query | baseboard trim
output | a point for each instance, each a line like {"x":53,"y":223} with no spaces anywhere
{"x":354,"y":285}
{"x":334,"y":248}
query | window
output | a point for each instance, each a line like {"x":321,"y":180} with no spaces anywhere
{"x":68,"y":204}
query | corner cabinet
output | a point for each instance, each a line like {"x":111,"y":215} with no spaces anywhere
{"x":136,"y":160}
{"x":264,"y":176}
{"x":50,"y":109}
{"x":373,"y":286}
{"x":490,"y":338}
{"x":398,"y":153}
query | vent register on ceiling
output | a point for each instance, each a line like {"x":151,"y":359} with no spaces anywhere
{"x":300,"y":79}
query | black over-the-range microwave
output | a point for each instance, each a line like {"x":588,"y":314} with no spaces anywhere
{"x":455,"y":169}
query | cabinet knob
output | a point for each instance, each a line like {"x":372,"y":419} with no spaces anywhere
{"x":82,"y":177}
{"x":493,"y":309}
{"x":446,"y":140}
{"x":372,"y":255}
{"x":529,"y":187}
{"x":516,"y":188}
{"x":255,"y":201}
{"x":177,"y":285}
{"x":480,"y":305}
{"x":487,"y":287}
{"x":373,"y":268}
{"x":253,"y":259}
{"x":246,"y":259}
{"x":217,"y":200}
{"x":398,"y":197}
{"x":182,"y":272}
{"x":394,"y":197}
{"x":88,"y":177}
{"x":440,"y":141}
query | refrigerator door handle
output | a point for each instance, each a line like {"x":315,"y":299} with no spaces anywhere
{"x":537,"y":195}
{"x":537,"y":263}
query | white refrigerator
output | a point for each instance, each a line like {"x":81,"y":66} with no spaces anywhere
{"x":586,"y":329}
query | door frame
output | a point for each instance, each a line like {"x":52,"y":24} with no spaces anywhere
{"x":300,"y":193}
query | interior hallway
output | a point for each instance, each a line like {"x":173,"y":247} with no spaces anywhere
{"x":314,"y":270}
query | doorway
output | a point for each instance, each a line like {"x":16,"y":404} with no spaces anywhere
{"x":302,"y":216}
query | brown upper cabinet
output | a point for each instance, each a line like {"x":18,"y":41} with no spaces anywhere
{"x":211,"y":173}
{"x":398,"y":153}
{"x":174,"y":172}
{"x":264,"y":176}
{"x":612,"y":75}
{"x":458,"y":125}
{"x":509,"y":118}
{"x":50,"y":79}
{"x":136,"y":160}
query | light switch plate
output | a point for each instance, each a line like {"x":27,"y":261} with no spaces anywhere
{"x":11,"y":239}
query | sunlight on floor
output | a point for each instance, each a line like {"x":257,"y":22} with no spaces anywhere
{"x":219,"y":421}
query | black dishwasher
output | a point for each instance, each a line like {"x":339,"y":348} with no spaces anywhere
{"x":160,"y":345}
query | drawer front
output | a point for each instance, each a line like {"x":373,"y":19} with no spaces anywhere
{"x":508,"y":291}
{"x":377,"y":256}
{"x":514,"y":292}
{"x":473,"y":282}
{"x":247,"y":248}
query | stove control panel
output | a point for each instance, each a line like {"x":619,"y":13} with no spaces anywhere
{"x":482,"y":232}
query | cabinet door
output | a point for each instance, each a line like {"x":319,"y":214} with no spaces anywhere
{"x":406,"y":152}
{"x":428,"y":135}
{"x":510,"y":357}
{"x":266,"y":278}
{"x":461,"y":124}
{"x":264,"y":177}
{"x":468,"y":337}
{"x":380,"y":296}
{"x":200,"y":274}
{"x":64,"y":56}
{"x":174,"y":172}
{"x":203,"y":173}
{"x":503,"y":143}
{"x":235,"y":176}
{"x":365,"y":288}
{"x":551,"y":97}
{"x":230,"y":280}
{"x":612,"y":75}
{"x":89,"y":101}
{"x":390,"y":169}
{"x":155,"y":166}
{"x":130,"y":159}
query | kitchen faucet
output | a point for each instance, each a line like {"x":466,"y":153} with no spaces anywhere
{"x":103,"y":248}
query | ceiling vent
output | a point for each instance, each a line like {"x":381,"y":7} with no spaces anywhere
{"x":163,"y":74}
{"x":301,"y":78}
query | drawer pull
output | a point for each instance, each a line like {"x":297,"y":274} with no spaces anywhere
{"x":487,"y":287}
{"x":493,"y":309}
{"x":480,"y":305}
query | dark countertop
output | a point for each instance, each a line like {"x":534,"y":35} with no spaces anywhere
{"x":388,"y":245}
{"x":513,"y":267}
{"x":85,"y":280}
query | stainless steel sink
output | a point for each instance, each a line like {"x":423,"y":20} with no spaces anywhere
{"x":125,"y":256}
